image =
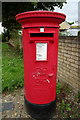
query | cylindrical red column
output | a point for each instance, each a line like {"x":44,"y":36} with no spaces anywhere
{"x":40,"y":48}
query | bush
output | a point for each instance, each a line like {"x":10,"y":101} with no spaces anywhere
{"x":0,"y":37}
{"x":5,"y":37}
{"x":78,"y":33}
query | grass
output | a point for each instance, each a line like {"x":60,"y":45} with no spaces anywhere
{"x":12,"y":68}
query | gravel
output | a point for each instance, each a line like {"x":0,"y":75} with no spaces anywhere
{"x":17,"y":109}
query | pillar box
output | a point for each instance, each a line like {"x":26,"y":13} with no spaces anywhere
{"x":40,"y":48}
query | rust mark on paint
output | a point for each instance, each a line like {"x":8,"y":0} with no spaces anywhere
{"x":48,"y":80}
{"x":41,"y":77}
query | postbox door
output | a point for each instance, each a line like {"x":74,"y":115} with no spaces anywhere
{"x":40,"y":71}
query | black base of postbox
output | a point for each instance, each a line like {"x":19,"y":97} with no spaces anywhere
{"x":40,"y":112}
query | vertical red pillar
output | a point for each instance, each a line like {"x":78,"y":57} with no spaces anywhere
{"x":40,"y":49}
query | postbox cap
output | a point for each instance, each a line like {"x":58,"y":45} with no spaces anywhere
{"x":32,"y":15}
{"x":40,"y":14}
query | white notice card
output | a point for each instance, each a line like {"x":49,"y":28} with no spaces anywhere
{"x":41,"y":51}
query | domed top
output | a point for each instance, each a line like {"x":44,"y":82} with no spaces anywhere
{"x":40,"y":18}
{"x":40,"y":14}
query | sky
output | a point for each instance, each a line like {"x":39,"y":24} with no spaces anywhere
{"x":70,"y":10}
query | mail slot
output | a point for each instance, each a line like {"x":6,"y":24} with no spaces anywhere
{"x":40,"y":48}
{"x":41,"y":34}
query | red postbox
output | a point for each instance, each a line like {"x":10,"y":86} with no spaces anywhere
{"x":40,"y":48}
